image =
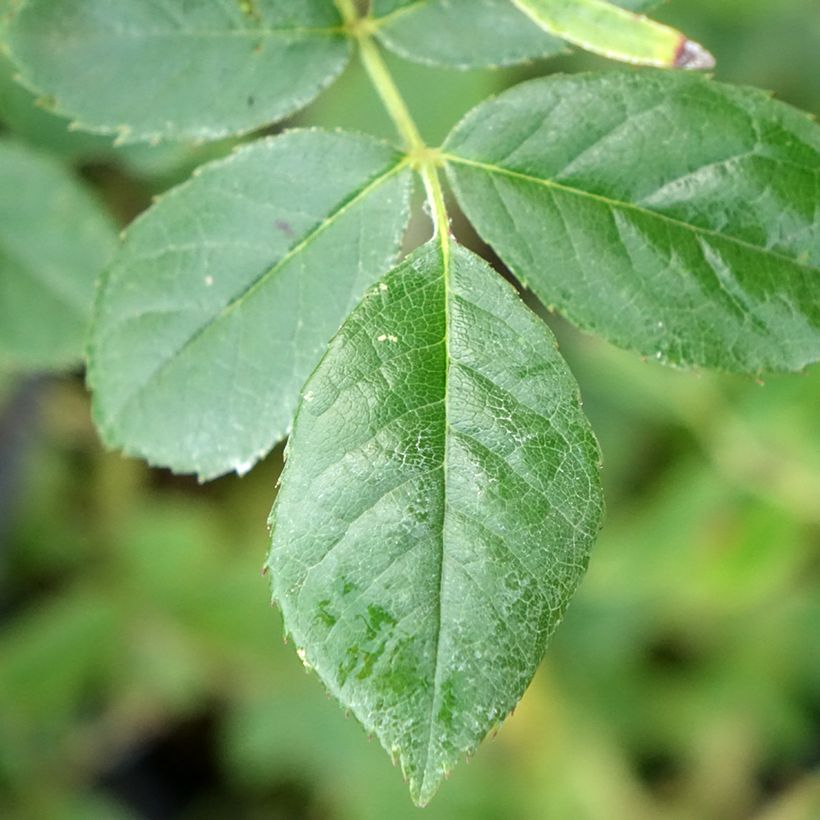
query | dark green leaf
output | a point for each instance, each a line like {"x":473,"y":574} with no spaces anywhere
{"x":467,"y":33}
{"x":673,"y":215}
{"x":54,"y":240}
{"x":453,"y":496}
{"x":225,"y":293}
{"x":157,"y":70}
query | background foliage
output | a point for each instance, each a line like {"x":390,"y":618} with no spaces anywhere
{"x":142,"y":672}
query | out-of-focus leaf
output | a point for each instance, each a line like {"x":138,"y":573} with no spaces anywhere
{"x":53,"y":655}
{"x":54,"y":240}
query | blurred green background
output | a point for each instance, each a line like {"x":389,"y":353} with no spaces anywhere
{"x":142,"y":670}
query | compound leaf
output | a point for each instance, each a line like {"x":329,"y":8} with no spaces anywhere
{"x":671,"y":214}
{"x":467,"y":33}
{"x":159,"y":69}
{"x":225,"y":292}
{"x":454,"y":496}
{"x":54,"y":240}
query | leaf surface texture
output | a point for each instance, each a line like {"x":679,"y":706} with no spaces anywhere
{"x":454,"y":496}
{"x":161,"y":69}
{"x":225,"y":293}
{"x":673,"y":215}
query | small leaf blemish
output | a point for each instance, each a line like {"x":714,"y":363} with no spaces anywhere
{"x":283,"y":226}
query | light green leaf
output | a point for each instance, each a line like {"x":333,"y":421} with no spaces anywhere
{"x":670,"y":214}
{"x":225,"y":293}
{"x":199,"y":70}
{"x":598,"y":26}
{"x":454,"y":493}
{"x":54,"y":240}
{"x":467,"y":33}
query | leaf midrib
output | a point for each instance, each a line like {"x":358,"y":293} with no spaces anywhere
{"x":629,"y":206}
{"x":206,"y":33}
{"x":239,"y":299}
{"x":445,"y":250}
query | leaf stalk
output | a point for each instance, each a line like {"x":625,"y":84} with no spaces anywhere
{"x":423,"y":159}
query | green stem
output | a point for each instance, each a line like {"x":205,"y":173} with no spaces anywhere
{"x":389,"y":94}
{"x":438,"y":206}
{"x":424,"y":159}
{"x":348,"y":10}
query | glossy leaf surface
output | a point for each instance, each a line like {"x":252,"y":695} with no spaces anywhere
{"x":54,"y":240}
{"x":164,"y":70}
{"x":670,"y":214}
{"x":453,"y":486}
{"x":467,"y":33}
{"x":225,"y":293}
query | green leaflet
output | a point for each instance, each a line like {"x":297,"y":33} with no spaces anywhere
{"x":598,"y":26}
{"x":201,"y":70}
{"x":672,"y":215}
{"x":43,"y":130}
{"x":40,"y":129}
{"x":467,"y":33}
{"x":24,"y":115}
{"x":454,"y":496}
{"x":54,"y":240}
{"x":225,"y":293}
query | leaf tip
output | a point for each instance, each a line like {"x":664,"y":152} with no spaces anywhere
{"x":692,"y":55}
{"x":424,"y":776}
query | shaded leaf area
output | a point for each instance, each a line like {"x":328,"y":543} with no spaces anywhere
{"x":202,"y":70}
{"x":225,"y":293}
{"x":454,"y":482}
{"x":468,"y":33}
{"x":55,"y":237}
{"x":672,"y":215}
